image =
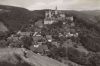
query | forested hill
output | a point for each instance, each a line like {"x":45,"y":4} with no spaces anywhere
{"x":14,"y":17}
{"x":95,"y":14}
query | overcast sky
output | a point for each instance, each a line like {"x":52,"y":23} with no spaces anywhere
{"x":51,"y":4}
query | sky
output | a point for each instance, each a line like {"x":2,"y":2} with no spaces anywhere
{"x":51,"y":4}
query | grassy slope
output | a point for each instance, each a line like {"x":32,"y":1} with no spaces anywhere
{"x":9,"y":55}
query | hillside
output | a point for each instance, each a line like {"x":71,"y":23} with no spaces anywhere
{"x":3,"y":27}
{"x":15,"y":57}
{"x":95,"y":14}
{"x":89,"y":27}
{"x":13,"y":17}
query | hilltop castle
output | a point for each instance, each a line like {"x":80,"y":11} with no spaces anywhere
{"x":56,"y":15}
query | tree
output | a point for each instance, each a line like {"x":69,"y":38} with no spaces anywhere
{"x":27,"y":41}
{"x":3,"y":44}
{"x":16,"y":44}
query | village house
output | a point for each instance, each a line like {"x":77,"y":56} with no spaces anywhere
{"x":39,"y":39}
{"x":37,"y":34}
{"x":24,"y":33}
{"x":49,"y":38}
{"x":76,"y":35}
{"x":13,"y":38}
{"x":69,"y":35}
{"x":49,"y":21}
{"x":39,"y":48}
{"x":56,"y":44}
{"x":70,"y":18}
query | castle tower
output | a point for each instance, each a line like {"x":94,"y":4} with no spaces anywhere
{"x":56,"y":10}
{"x":48,"y":14}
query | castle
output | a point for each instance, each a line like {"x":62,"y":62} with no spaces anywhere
{"x":52,"y":16}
